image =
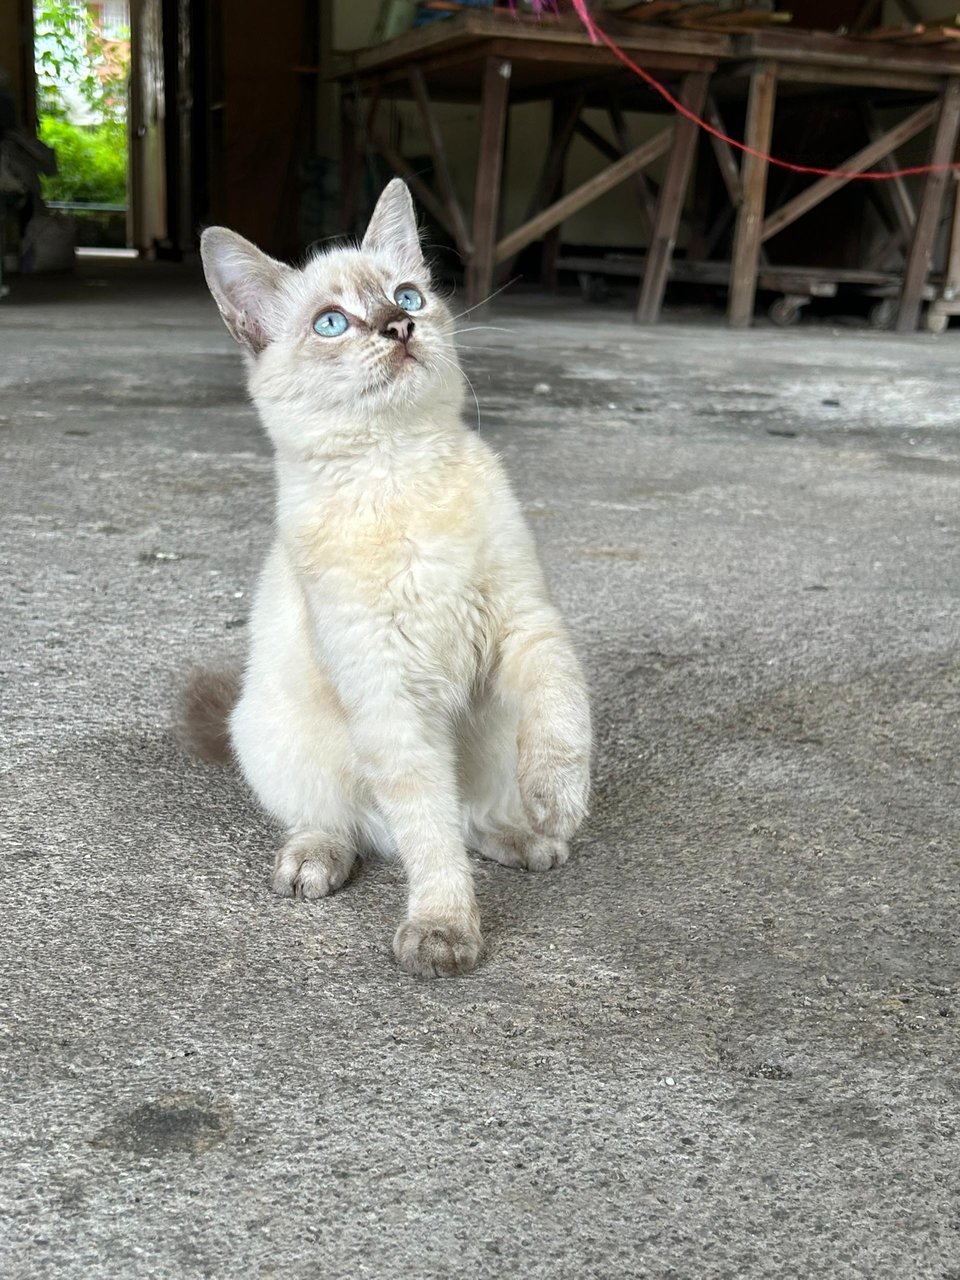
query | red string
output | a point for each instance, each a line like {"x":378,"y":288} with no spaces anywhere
{"x":598,"y":36}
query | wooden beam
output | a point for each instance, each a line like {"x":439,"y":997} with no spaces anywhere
{"x":432,"y":129}
{"x":693,"y":94}
{"x":400,"y":167}
{"x":868,"y":13}
{"x":951,"y":276}
{"x":564,"y":115}
{"x":920,"y":257}
{"x":350,"y":161}
{"x":746,"y":243}
{"x":896,"y":188}
{"x":909,"y":10}
{"x":867,"y":156}
{"x":729,"y":169}
{"x":586,"y":193}
{"x":644,"y":189}
{"x":494,"y":104}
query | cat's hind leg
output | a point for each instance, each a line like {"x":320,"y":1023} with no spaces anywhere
{"x":521,"y":849}
{"x":495,"y":823}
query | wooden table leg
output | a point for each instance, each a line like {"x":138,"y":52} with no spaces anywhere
{"x":693,"y":95}
{"x":350,"y":162}
{"x":494,"y":104}
{"x":920,"y":256}
{"x":746,"y":242}
{"x":565,"y":113}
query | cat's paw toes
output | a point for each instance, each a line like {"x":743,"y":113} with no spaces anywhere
{"x":525,"y":852}
{"x":543,"y":853}
{"x":436,"y":949}
{"x":311,"y":867}
{"x":554,"y":794}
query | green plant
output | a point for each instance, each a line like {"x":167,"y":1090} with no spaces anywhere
{"x":91,"y":160}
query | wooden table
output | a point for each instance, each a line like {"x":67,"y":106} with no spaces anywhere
{"x":771,"y":59}
{"x":498,"y":62}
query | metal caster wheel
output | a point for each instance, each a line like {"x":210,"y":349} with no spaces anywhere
{"x":783,"y":312}
{"x":883,"y":315}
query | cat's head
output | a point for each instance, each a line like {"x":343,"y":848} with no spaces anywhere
{"x":356,"y":331}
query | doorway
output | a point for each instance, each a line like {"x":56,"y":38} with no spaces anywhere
{"x":82,"y":61}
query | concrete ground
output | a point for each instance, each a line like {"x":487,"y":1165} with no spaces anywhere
{"x":721,"y":1042}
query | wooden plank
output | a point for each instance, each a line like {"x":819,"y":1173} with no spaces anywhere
{"x":859,"y":77}
{"x":648,"y":11}
{"x":644,"y":189}
{"x":892,"y":34}
{"x":895,"y":189}
{"x":598,"y":141}
{"x":350,"y":161}
{"x":920,"y":257}
{"x":723,"y":152}
{"x":647,"y":190}
{"x":403,"y":170}
{"x":586,"y":193}
{"x":951,"y":277}
{"x":432,"y":130}
{"x":889,"y":249}
{"x":920,"y":34}
{"x":693,"y":94}
{"x":475,"y":27}
{"x":590,"y":59}
{"x":690,"y":13}
{"x":817,"y":48}
{"x":934,"y":35}
{"x":819,"y":191}
{"x":494,"y":104}
{"x":746,"y":244}
{"x":563,"y":117}
{"x":868,"y":13}
{"x":737,"y":20}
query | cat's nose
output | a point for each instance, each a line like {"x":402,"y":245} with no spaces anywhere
{"x":400,"y":329}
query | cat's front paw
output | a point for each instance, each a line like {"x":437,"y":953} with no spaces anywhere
{"x":555,"y":789}
{"x":311,"y":865}
{"x":430,"y":948}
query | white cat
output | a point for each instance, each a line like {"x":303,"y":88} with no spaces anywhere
{"x":410,"y":688}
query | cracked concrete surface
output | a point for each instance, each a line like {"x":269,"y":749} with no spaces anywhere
{"x":721,"y":1042}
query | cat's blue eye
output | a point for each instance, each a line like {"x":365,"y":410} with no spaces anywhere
{"x":408,"y":298}
{"x":331,"y":324}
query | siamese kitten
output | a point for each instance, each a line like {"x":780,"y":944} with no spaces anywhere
{"x":410,"y":688}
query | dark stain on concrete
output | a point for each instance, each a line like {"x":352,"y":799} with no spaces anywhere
{"x":615,"y":553}
{"x":921,"y":464}
{"x":171,"y":1123}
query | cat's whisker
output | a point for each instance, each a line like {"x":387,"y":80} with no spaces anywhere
{"x":484,"y":301}
{"x":475,"y":328}
{"x":459,"y":369}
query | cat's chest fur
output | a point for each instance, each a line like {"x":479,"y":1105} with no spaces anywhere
{"x":406,"y":550}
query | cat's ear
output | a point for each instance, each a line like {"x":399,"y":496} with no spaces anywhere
{"x":393,"y":227}
{"x":245,"y":284}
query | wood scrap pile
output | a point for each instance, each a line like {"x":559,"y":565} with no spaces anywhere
{"x":742,"y":15}
{"x":915,"y":33}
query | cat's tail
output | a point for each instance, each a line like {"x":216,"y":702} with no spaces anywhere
{"x":203,"y":710}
